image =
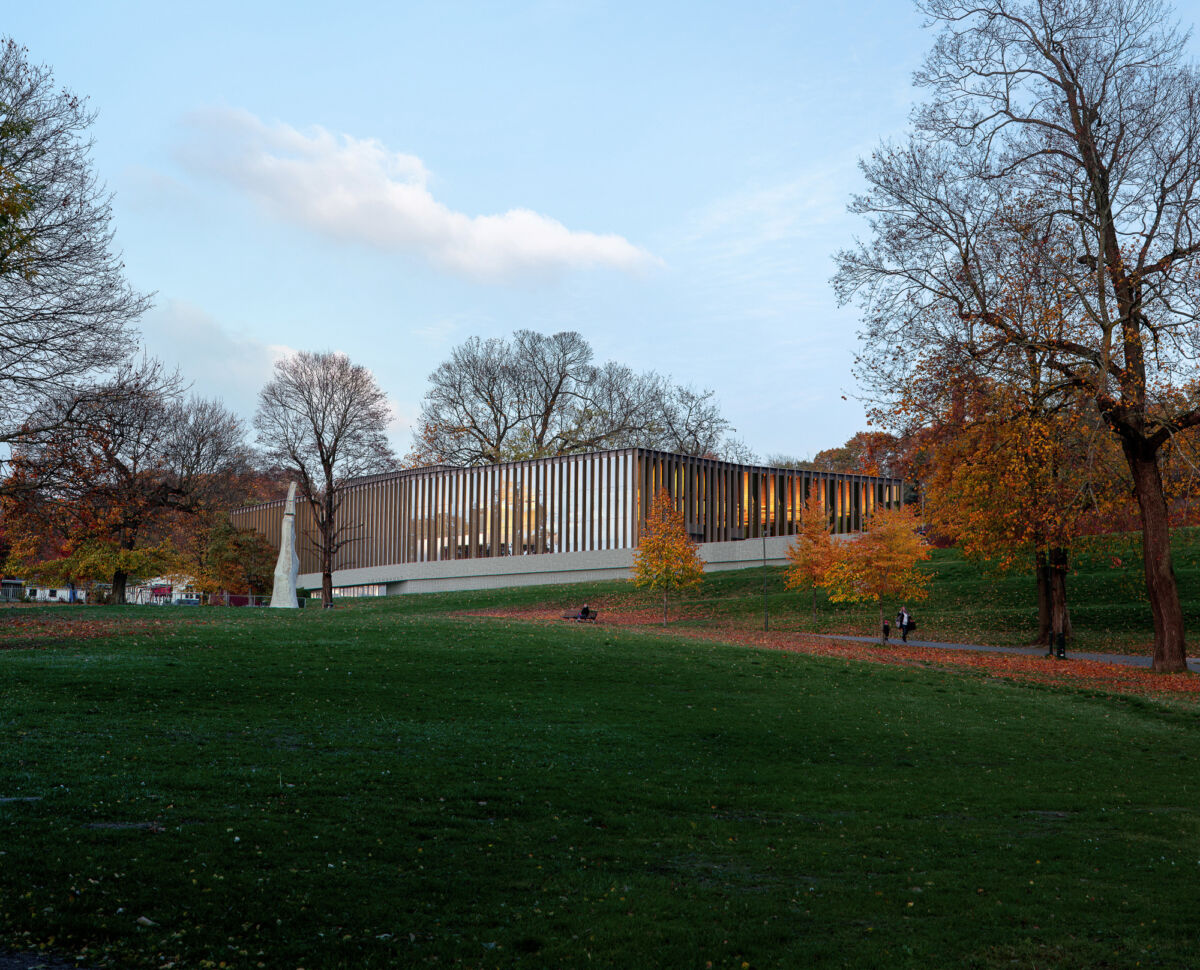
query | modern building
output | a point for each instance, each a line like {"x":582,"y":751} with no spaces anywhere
{"x":560,"y":520}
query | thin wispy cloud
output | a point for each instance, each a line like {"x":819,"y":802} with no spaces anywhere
{"x":800,"y":208}
{"x":215,"y":360}
{"x":440,"y":332}
{"x":358,"y":190}
{"x":763,"y":252}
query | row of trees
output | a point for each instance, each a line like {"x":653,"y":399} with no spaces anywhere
{"x":133,"y":477}
{"x":1035,"y":244}
{"x":138,"y":478}
{"x":540,"y":395}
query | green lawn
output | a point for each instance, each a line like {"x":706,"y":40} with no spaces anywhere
{"x":384,"y":786}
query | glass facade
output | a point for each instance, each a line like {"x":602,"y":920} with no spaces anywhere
{"x":574,"y":503}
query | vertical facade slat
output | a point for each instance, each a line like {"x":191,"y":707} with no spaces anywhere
{"x":578,"y":503}
{"x":593,"y":502}
{"x":455,"y":518}
{"x":425,"y":509}
{"x":504,"y":492}
{"x":564,"y":504}
{"x":606,"y":514}
{"x":469,"y":514}
{"x":518,"y":507}
{"x":441,"y":486}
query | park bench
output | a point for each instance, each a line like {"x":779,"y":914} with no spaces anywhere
{"x":585,"y":615}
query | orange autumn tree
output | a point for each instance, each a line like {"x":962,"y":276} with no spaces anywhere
{"x":867,"y":453}
{"x":666,"y":558}
{"x":1025,"y":485}
{"x":811,"y":552}
{"x":881,"y":563}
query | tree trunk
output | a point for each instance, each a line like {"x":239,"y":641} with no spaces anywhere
{"x":120,"y":578}
{"x":1170,"y":648}
{"x":814,"y":595}
{"x":1059,"y":621}
{"x":1045,"y":637}
{"x":664,"y":606}
{"x":328,"y":529}
{"x":1052,"y":596}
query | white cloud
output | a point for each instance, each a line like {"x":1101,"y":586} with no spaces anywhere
{"x":358,"y":190}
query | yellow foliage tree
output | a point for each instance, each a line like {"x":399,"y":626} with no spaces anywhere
{"x":881,"y":563}
{"x":811,"y":552}
{"x":96,"y":559}
{"x":666,"y":559}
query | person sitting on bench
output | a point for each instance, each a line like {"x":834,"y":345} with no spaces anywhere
{"x":585,"y":615}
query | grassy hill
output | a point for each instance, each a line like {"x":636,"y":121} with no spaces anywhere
{"x":390,"y":785}
{"x":969,"y":602}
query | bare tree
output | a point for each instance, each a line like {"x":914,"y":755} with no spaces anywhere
{"x":541,"y":395}
{"x":553,"y":383}
{"x":1068,"y":131}
{"x":65,"y":305}
{"x":205,"y":453}
{"x":470,"y":410}
{"x":323,"y":419}
{"x":690,"y":423}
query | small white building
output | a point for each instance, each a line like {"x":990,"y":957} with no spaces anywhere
{"x":58,"y":594}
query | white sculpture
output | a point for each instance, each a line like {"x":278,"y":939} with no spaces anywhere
{"x":287,"y":567}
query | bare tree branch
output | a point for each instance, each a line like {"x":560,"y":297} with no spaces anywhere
{"x":540,"y":395}
{"x":65,"y":306}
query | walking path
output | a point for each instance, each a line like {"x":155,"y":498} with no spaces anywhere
{"x":1128,"y":659}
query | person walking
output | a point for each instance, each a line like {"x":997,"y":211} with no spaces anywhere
{"x":903,"y":620}
{"x":887,"y":630}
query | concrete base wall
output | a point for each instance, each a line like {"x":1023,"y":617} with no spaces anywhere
{"x":563,"y":567}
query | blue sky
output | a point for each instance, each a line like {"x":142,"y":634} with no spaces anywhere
{"x":669,"y":179}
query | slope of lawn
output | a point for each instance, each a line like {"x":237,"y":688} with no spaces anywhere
{"x":383,"y":785}
{"x":968,"y":601}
